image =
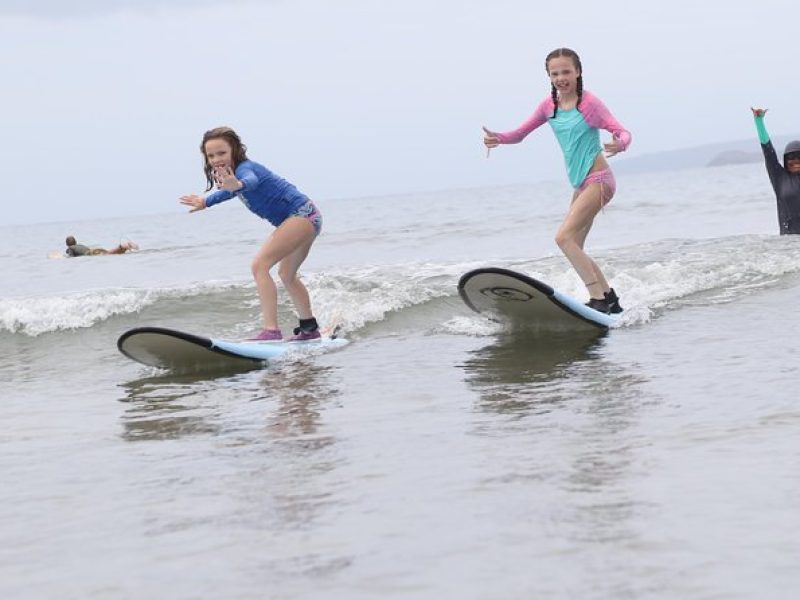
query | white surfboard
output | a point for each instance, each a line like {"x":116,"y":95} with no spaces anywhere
{"x":527,"y":303}
{"x":180,"y":351}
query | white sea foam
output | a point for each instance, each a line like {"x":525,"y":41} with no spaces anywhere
{"x":38,"y":315}
{"x":649,"y":277}
{"x":354,"y":298}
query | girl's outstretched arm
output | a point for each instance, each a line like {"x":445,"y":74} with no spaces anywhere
{"x":196,"y":201}
{"x":490,"y":138}
{"x":538,"y":118}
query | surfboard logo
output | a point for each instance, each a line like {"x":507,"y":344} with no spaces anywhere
{"x":505,"y":293}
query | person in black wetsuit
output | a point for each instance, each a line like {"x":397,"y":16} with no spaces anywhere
{"x":785,"y":179}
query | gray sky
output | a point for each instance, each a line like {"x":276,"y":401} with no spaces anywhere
{"x":105,"y":102}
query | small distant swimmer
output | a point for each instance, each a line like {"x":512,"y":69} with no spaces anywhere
{"x":74,"y":249}
{"x":785,"y":179}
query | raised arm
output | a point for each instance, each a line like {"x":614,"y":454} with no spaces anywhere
{"x":248,"y":177}
{"x":758,"y":115}
{"x":230,"y":183}
{"x":774,"y":168}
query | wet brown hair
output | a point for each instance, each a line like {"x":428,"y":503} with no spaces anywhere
{"x":569,"y":53}
{"x":70,"y":241}
{"x":238,"y":149}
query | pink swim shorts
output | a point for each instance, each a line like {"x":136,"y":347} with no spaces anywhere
{"x":608,"y":185}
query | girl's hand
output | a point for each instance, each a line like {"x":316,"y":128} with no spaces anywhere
{"x":195,"y":201}
{"x":490,"y":140}
{"x":759,"y":112}
{"x":612,"y":148}
{"x":226,"y":179}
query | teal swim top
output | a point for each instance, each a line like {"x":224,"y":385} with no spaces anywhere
{"x":579,"y":142}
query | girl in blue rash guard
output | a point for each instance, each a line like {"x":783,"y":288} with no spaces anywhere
{"x":297,"y":222}
{"x":785,"y":179}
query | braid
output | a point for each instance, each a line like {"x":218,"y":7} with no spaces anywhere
{"x":580,"y":90}
{"x":554,"y":96}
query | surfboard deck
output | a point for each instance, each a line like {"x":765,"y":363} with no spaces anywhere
{"x":527,"y":303}
{"x":180,"y":351}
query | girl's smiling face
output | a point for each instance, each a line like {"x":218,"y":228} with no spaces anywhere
{"x":563,"y":74}
{"x":219,"y":153}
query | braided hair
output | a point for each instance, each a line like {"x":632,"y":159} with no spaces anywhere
{"x":569,"y":53}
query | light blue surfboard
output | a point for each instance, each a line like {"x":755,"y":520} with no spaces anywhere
{"x":180,"y":351}
{"x":527,"y":303}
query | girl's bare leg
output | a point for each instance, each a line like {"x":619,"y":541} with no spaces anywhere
{"x":287,"y":271}
{"x":571,"y":237}
{"x":294,"y":234}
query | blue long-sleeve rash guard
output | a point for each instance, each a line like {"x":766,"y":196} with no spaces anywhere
{"x":266,"y":194}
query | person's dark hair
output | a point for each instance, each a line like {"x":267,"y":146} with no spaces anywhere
{"x":238,"y":149}
{"x":569,"y":53}
{"x":71,"y":241}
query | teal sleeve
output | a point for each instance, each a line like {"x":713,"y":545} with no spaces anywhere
{"x":763,"y":136}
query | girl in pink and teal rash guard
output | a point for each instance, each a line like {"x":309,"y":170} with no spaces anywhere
{"x":576,"y":117}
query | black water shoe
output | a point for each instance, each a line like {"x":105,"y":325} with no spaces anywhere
{"x":612,"y":300}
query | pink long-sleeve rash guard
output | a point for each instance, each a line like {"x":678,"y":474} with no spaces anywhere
{"x":577,"y":131}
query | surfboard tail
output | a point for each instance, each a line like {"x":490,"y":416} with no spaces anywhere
{"x":527,"y":303}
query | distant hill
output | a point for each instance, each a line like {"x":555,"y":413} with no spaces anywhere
{"x":709,"y":155}
{"x":735,"y":157}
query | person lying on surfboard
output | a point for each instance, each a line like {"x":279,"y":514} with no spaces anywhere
{"x":297,"y":221}
{"x":785,"y":179}
{"x":576,"y":117}
{"x":75,"y":249}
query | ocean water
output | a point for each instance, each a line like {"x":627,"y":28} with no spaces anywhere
{"x":437,"y":455}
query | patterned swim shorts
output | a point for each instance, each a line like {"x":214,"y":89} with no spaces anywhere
{"x":310,"y":212}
